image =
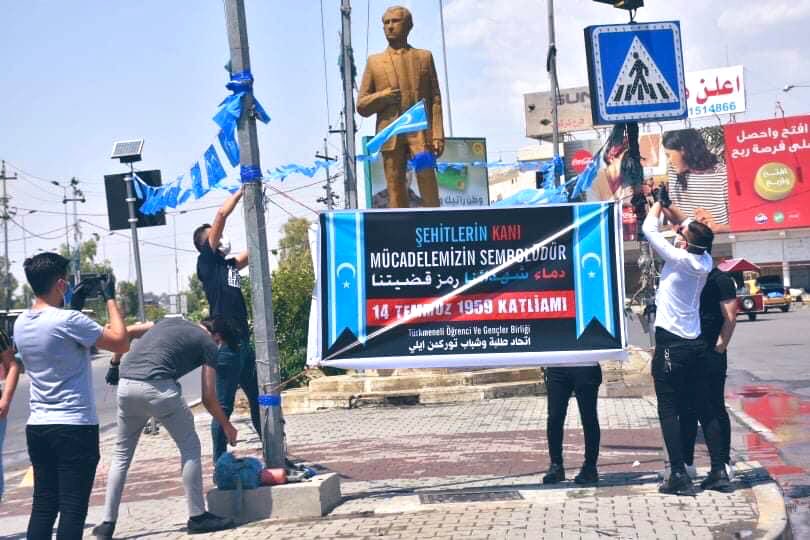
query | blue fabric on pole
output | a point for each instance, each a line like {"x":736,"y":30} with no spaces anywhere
{"x":213,"y":166}
{"x":414,"y":119}
{"x":136,"y":185}
{"x":423,"y":160}
{"x":250,"y":173}
{"x":269,"y":400}
{"x":230,"y":110}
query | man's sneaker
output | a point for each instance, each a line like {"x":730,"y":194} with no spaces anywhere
{"x":555,"y":474}
{"x":587,"y":475}
{"x":208,"y":522}
{"x":678,"y":483}
{"x":718,"y":481}
{"x":104,"y":530}
{"x":691,"y":472}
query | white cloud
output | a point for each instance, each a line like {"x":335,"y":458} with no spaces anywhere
{"x":759,"y":16}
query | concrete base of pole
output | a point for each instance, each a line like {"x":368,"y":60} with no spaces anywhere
{"x":315,"y":497}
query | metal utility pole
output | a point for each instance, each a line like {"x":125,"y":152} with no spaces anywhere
{"x":329,"y":198}
{"x":5,"y":217}
{"x":267,"y":358}
{"x":347,"y":72}
{"x":551,"y":67}
{"x":77,"y":197}
{"x":133,"y":231}
{"x":446,"y":100}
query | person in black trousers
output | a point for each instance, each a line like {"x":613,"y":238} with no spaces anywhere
{"x":583,"y":382}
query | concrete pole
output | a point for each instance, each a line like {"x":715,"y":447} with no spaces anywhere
{"x":552,"y":69}
{"x":136,"y":250}
{"x":349,"y":150}
{"x":267,"y":358}
{"x":6,"y":217}
{"x":446,"y":99}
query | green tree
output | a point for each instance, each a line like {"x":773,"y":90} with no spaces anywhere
{"x":128,"y":298}
{"x":197,"y":303}
{"x":292,"y":295}
{"x":12,"y":284}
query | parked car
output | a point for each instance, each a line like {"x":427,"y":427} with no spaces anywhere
{"x":749,"y":303}
{"x":775,"y":294}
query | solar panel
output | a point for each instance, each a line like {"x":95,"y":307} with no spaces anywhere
{"x":127,"y":149}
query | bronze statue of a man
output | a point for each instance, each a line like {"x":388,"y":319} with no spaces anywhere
{"x":395,"y":80}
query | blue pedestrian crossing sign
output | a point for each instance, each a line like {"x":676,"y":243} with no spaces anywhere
{"x":636,"y":72}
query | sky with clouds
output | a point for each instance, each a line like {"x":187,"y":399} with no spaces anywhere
{"x":78,"y":75}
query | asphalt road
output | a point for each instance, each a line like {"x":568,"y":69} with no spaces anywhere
{"x":768,"y":390}
{"x":15,"y":454}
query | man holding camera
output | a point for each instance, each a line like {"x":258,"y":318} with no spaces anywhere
{"x":62,"y":430}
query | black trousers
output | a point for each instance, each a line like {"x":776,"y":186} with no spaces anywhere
{"x":681,"y":387}
{"x":584,"y":383}
{"x":716,"y":368}
{"x":64,"y":458}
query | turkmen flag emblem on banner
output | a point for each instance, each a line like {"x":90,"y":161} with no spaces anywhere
{"x":345,"y":270}
{"x":593,"y":277}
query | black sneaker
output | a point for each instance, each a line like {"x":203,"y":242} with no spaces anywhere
{"x":104,"y":530}
{"x":555,"y":474}
{"x":718,"y":481}
{"x":208,"y":522}
{"x":678,"y":483}
{"x":587,"y":475}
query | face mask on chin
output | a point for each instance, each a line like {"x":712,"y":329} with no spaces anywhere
{"x":224,"y":246}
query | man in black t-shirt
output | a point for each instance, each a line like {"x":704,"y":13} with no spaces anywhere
{"x":221,"y":282}
{"x":718,"y":317}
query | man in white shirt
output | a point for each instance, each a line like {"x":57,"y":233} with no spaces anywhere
{"x":679,"y":360}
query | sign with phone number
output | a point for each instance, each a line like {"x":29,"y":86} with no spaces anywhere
{"x":715,"y":91}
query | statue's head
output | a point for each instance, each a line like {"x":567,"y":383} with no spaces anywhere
{"x":397,"y":23}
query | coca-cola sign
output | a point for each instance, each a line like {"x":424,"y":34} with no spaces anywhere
{"x":581,"y":160}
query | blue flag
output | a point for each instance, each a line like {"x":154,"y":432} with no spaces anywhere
{"x":414,"y":119}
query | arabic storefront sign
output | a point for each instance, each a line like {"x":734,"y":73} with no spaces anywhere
{"x":455,"y":288}
{"x":769,"y":173}
{"x":574,"y":111}
{"x":715,"y":91}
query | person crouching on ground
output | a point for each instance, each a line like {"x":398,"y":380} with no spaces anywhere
{"x":62,"y":431}
{"x":147,"y":387}
{"x":584,"y":382}
{"x":679,"y":361}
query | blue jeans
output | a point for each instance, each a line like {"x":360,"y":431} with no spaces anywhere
{"x":235,"y":369}
{"x":2,"y":438}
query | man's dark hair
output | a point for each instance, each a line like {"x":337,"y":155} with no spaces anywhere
{"x":225,"y":328}
{"x":199,"y":238}
{"x":42,"y":271}
{"x":700,"y":238}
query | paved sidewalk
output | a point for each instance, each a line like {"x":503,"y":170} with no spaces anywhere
{"x":467,"y":470}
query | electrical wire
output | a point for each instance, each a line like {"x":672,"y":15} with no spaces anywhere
{"x":325,"y":69}
{"x":37,"y":235}
{"x":148,"y":242}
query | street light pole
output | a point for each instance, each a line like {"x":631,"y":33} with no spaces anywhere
{"x":446,"y":77}
{"x":136,"y":250}
{"x":551,"y":66}
{"x":267,"y":358}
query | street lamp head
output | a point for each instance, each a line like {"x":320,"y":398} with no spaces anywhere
{"x":54,"y":182}
{"x":788,"y":87}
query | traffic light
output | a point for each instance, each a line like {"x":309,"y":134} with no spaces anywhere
{"x":623,"y":4}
